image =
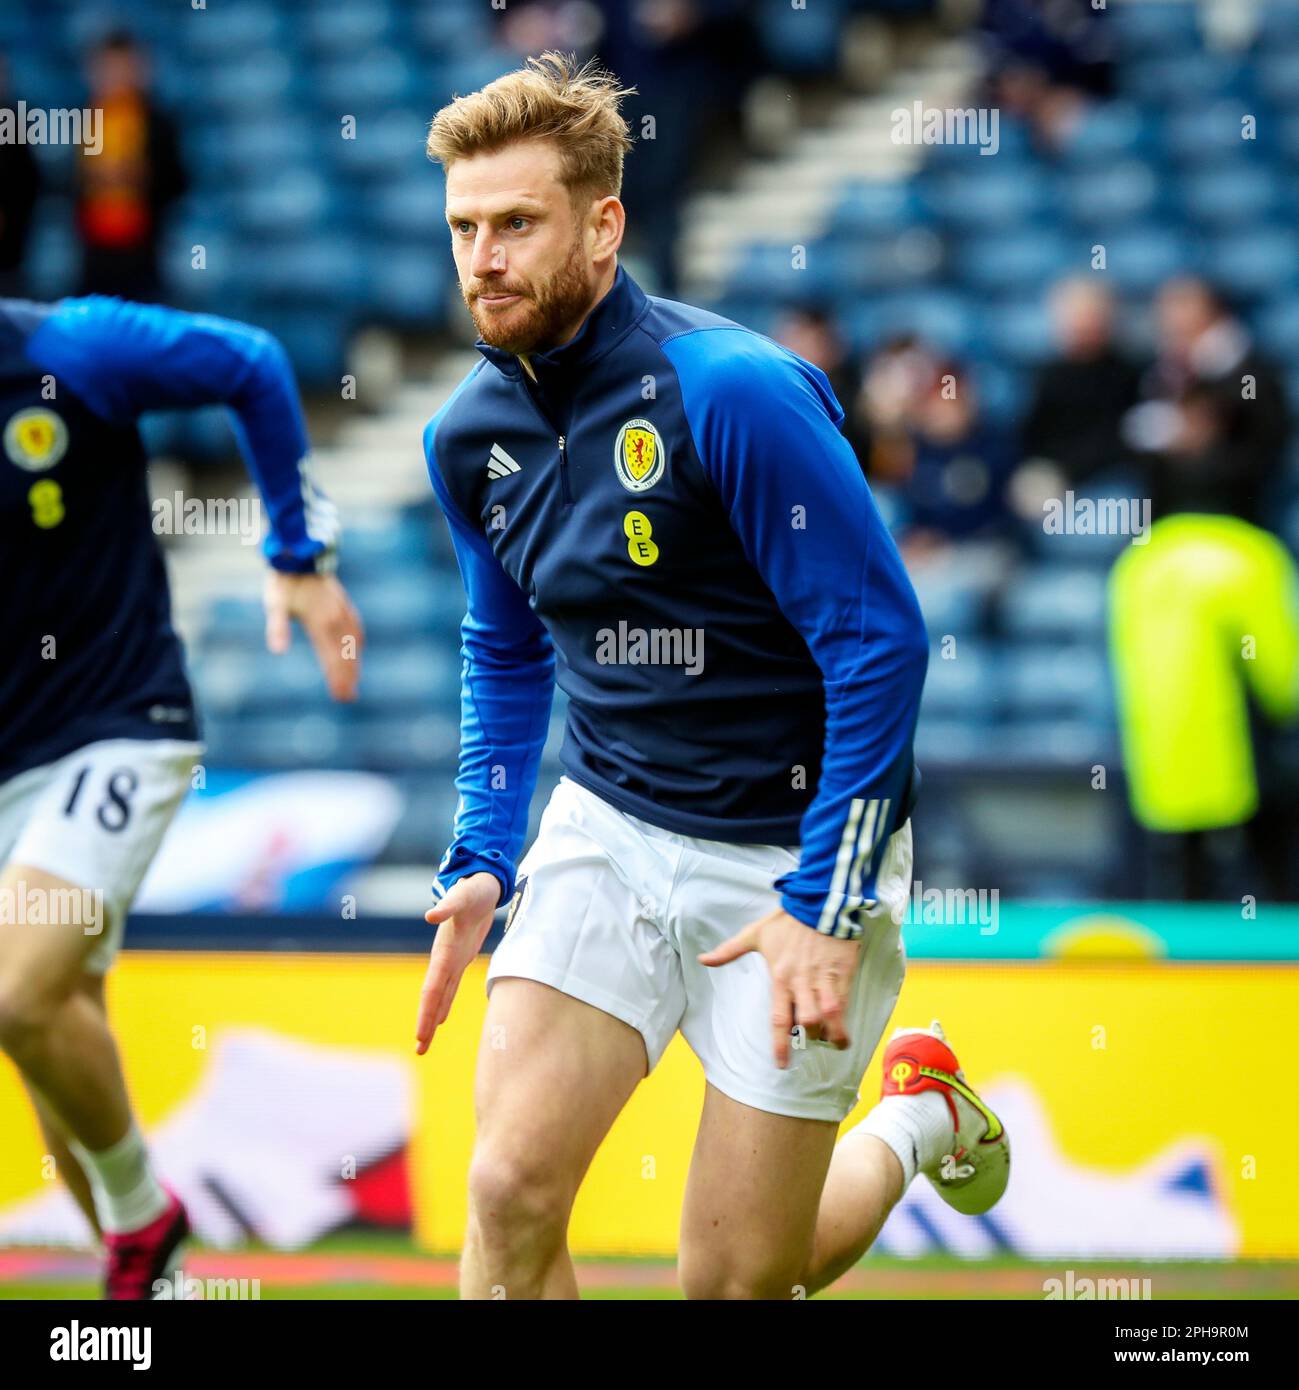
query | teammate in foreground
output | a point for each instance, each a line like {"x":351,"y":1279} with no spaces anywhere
{"x":660,"y":504}
{"x":98,"y":736}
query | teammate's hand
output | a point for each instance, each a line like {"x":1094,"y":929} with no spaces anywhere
{"x":463,"y":919}
{"x":811,"y":977}
{"x":320,"y":603}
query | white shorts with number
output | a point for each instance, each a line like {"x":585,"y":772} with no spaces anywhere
{"x":614,"y":911}
{"x":96,"y":818}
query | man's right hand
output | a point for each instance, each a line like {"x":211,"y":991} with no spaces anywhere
{"x":463,"y":919}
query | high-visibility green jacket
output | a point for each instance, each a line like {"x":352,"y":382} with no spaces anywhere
{"x":1202,"y":616}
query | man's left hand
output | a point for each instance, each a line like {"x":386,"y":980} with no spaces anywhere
{"x":811,"y":977}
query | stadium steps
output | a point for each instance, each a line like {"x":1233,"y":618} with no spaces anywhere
{"x":792,"y":196}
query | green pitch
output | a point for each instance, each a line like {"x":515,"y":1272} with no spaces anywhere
{"x":367,"y":1265}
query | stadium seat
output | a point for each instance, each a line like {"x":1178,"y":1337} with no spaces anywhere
{"x":803,"y":40}
{"x":959,"y":686}
{"x":870,"y":208}
{"x":1019,"y":329}
{"x":1165,"y":27}
{"x":1206,"y":134}
{"x":388,"y":146}
{"x":1236,"y":195}
{"x":1257,"y":262}
{"x":339,"y":31}
{"x":369,"y":84}
{"x":991,"y":199}
{"x":941,"y":316}
{"x":1138,"y":259}
{"x":1019,"y":259}
{"x":1183,"y":79}
{"x":234,"y":32}
{"x":1109,"y":132}
{"x":1055,"y":681}
{"x":1055,"y":602}
{"x":1111,"y":195}
{"x":260,"y":83}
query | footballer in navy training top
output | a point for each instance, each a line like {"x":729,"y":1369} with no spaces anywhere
{"x":98,"y":736}
{"x":655,"y":509}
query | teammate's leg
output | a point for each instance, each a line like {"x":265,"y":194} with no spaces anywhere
{"x":751,"y":1201}
{"x":55,"y":1032}
{"x":56,"y":1136}
{"x":553,"y":1074}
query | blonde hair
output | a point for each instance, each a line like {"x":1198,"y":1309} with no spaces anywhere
{"x":552,"y":98}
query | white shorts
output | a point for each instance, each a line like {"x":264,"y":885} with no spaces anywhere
{"x":614,"y":911}
{"x":96,"y":818}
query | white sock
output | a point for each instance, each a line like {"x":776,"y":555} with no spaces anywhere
{"x":917,"y":1128}
{"x":127,"y":1193}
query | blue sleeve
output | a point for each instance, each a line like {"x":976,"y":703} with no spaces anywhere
{"x":506,"y":687}
{"x":124,"y":359}
{"x":766,"y":428}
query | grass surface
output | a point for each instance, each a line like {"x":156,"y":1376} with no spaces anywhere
{"x":365,"y":1265}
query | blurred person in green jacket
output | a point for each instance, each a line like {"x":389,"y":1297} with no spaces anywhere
{"x":1204,"y":633}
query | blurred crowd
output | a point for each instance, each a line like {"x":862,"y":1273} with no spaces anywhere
{"x":1200,"y":424}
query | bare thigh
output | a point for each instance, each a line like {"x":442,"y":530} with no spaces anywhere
{"x":749,"y":1218}
{"x":42,"y":956}
{"x":553,"y":1074}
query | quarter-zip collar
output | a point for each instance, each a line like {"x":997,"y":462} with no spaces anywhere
{"x":604,"y":327}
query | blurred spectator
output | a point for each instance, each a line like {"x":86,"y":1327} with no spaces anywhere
{"x":931,"y":443}
{"x":1215,"y":422}
{"x":1048,"y":59}
{"x":1204,"y":630}
{"x":689,"y":60}
{"x":19,"y":185}
{"x":124,"y":191}
{"x":895,"y":381}
{"x":1081,"y":395}
{"x":813,"y":334}
{"x":1204,"y":618}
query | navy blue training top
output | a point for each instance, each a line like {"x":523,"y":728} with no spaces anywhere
{"x":85,"y":612}
{"x":669,"y":523}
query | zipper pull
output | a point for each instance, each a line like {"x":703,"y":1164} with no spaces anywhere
{"x":565,"y":491}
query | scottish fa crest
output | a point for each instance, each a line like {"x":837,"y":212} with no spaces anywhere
{"x":638,"y":455}
{"x":36,"y":439}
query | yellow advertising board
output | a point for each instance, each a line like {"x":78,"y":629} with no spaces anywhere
{"x":1149,"y":1103}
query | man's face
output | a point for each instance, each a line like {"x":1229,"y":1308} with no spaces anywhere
{"x":116,"y":72}
{"x":1183,"y":311}
{"x":1082,"y":320}
{"x":522,"y":251}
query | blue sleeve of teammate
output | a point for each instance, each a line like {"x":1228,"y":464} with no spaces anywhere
{"x":123,"y":359}
{"x":506,"y":688}
{"x":766,"y":428}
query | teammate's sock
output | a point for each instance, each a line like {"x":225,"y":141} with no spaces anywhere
{"x":917,"y":1128}
{"x":127,"y":1193}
